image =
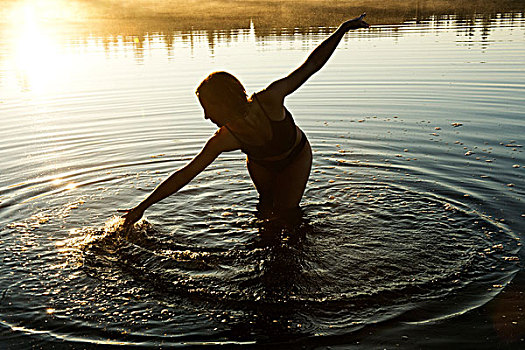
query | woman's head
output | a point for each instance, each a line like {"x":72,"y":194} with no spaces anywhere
{"x":222,"y":97}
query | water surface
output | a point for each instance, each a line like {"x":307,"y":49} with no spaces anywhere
{"x":413,"y":214}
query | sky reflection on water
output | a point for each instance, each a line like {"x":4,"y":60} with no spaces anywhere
{"x":40,"y":59}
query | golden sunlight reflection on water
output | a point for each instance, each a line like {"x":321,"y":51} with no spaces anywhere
{"x":396,"y":209}
{"x":45,"y":10}
{"x":37,"y":56}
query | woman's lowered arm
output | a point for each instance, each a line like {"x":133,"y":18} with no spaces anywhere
{"x":217,"y":144}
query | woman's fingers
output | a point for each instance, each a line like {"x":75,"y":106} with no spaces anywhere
{"x":125,"y":211}
{"x":363,"y":23}
{"x":358,"y":22}
{"x":129,"y":221}
{"x":131,"y":216}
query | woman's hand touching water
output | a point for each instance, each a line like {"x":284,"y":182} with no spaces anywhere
{"x":132,"y":216}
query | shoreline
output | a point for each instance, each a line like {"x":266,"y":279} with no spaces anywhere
{"x":131,"y":17}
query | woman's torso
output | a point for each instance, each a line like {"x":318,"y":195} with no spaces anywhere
{"x":263,"y":135}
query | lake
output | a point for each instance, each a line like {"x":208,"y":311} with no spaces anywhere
{"x":412,"y":220}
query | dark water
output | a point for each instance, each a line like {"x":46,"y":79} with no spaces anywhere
{"x":413,"y":215}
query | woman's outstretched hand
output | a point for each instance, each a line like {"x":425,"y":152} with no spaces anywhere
{"x":131,"y":216}
{"x":357,"y":23}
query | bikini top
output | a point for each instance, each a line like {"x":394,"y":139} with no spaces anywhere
{"x":259,"y":144}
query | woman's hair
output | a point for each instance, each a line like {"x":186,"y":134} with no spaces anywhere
{"x":226,"y":90}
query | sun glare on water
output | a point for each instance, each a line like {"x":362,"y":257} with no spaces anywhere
{"x":38,"y":58}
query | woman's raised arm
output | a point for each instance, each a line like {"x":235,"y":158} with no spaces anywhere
{"x":317,"y":59}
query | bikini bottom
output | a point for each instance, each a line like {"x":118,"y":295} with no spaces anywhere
{"x":281,"y":164}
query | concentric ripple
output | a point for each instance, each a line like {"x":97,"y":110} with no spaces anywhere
{"x":413,"y":212}
{"x":393,"y":255}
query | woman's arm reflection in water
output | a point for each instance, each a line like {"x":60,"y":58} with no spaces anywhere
{"x":279,"y":155}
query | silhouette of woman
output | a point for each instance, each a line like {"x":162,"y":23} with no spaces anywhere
{"x":279,"y":154}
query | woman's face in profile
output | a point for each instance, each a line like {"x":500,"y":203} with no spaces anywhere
{"x":212,"y":111}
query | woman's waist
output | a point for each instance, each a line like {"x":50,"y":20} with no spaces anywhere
{"x":299,"y":138}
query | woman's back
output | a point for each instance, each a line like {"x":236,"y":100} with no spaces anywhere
{"x":261,"y":134}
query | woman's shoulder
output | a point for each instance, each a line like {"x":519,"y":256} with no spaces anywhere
{"x":270,"y":103}
{"x":223,"y":140}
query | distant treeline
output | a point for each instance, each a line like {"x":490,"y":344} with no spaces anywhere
{"x":138,"y":16}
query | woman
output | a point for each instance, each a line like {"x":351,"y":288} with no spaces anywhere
{"x":279,"y":154}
